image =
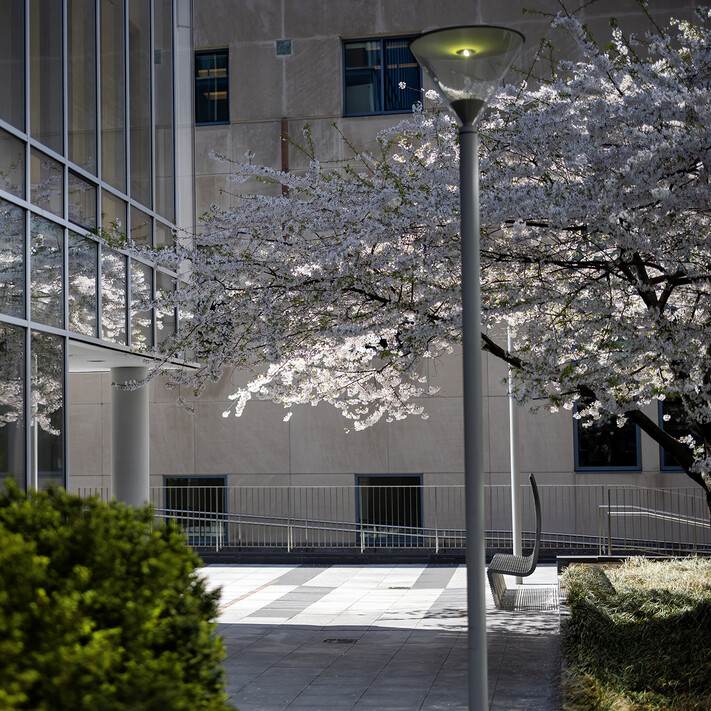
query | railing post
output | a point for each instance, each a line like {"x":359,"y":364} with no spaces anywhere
{"x":362,"y":531}
{"x":693,"y":528}
{"x":288,"y":519}
{"x":307,"y":515}
{"x":240,"y":498}
{"x":436,"y":521}
{"x":609,"y":524}
{"x":599,"y":529}
{"x":218,"y":526}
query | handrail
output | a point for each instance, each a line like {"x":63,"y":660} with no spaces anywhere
{"x":432,"y":517}
{"x":624,"y":510}
{"x":439,"y":535}
{"x":632,"y":510}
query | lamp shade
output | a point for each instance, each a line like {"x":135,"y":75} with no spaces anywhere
{"x":467,"y":64}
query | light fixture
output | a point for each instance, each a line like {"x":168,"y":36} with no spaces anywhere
{"x":467,"y":64}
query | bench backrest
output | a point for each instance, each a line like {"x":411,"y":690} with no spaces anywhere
{"x":537,"y":504}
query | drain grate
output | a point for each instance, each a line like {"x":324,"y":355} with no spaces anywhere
{"x":340,"y":640}
{"x":395,"y":587}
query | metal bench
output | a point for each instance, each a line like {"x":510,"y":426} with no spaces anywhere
{"x":521,"y":566}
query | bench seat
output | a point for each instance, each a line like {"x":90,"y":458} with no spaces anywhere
{"x":507,"y":564}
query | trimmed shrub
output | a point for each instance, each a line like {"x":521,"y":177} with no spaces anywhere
{"x":101,"y":609}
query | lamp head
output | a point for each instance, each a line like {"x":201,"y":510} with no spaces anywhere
{"x":467,"y":64}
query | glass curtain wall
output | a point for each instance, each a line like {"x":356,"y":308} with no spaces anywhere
{"x":47,"y":425}
{"x":12,"y":403}
{"x":12,"y":262}
{"x":113,"y":93}
{"x":139,"y":43}
{"x":163,"y":103}
{"x":46,"y":100}
{"x":87,"y":142}
{"x":81,"y":83}
{"x":12,"y":163}
{"x":12,"y":63}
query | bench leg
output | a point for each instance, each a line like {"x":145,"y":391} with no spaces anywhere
{"x":498,"y":587}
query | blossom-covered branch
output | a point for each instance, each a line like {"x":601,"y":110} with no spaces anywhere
{"x":595,"y":252}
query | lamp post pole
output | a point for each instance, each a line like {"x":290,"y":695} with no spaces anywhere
{"x":514,"y":463}
{"x":466,"y":64}
{"x":473,"y":416}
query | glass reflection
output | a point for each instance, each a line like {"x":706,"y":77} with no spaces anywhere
{"x":46,"y":73}
{"x":82,"y":202}
{"x":141,"y":228}
{"x":139,"y":48}
{"x":12,"y":262}
{"x":83,"y":279}
{"x":165,"y":236}
{"x":113,"y":213}
{"x":12,"y":63}
{"x":113,"y":94}
{"x":113,"y":296}
{"x":141,"y":317}
{"x":47,"y":183}
{"x":47,"y":398}
{"x":163,"y":102}
{"x":81,"y":78}
{"x":12,"y":414}
{"x":46,"y":262}
{"x":12,"y":164}
{"x":165,"y":314}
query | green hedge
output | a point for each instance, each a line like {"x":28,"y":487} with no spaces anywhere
{"x":101,"y":610}
{"x":639,"y":637}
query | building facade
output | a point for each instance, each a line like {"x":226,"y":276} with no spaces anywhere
{"x":115,"y":108}
{"x":277,"y":66}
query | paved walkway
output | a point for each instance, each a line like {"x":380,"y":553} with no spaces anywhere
{"x":385,"y":637}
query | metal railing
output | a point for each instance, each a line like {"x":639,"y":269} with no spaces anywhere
{"x":576,"y":518}
{"x":660,"y":521}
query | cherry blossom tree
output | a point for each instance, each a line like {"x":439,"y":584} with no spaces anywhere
{"x":595,"y":252}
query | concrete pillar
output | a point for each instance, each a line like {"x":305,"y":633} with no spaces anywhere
{"x":130,"y":438}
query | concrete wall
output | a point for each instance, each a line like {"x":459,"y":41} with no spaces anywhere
{"x":313,"y":448}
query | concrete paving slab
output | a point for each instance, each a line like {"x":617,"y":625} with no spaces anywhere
{"x":382,"y":637}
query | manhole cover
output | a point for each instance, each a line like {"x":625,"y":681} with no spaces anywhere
{"x":340,"y":641}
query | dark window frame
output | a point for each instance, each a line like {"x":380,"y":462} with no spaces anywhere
{"x":382,"y":95}
{"x":585,"y":468}
{"x":196,"y":79}
{"x":207,"y":532}
{"x":663,"y":454}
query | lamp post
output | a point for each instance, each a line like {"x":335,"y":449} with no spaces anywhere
{"x":467,"y":64}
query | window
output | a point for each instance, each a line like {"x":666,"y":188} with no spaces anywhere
{"x":12,"y":404}
{"x":373,"y":72}
{"x":603,"y":446}
{"x":676,"y":426}
{"x":211,"y":87}
{"x":83,"y":279}
{"x":197,"y":503}
{"x":47,"y":415}
{"x":389,"y":509}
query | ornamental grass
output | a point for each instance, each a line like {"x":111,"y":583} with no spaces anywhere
{"x":639,"y":636}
